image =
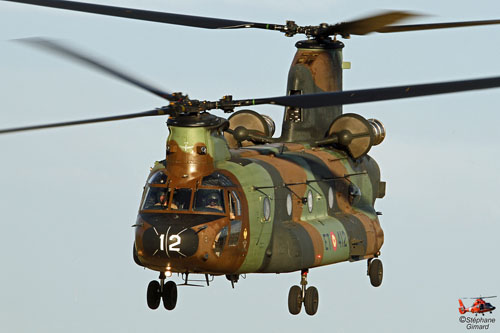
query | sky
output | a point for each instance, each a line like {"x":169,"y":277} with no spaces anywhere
{"x":69,"y":196}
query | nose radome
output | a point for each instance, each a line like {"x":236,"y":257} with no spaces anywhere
{"x":170,"y":242}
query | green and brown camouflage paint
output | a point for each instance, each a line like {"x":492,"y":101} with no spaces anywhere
{"x":316,"y":68}
{"x":292,"y":176}
{"x":285,"y":242}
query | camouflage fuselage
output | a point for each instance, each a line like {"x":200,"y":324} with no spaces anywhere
{"x":287,"y":207}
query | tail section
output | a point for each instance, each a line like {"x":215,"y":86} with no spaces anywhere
{"x":462,"y":308}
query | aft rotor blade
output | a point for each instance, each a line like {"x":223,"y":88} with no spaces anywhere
{"x":157,"y":112}
{"x":430,"y":26}
{"x":372,"y":23}
{"x":377,"y":94}
{"x":146,"y":15}
{"x":78,"y":56}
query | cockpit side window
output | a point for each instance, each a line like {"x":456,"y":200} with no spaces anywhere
{"x":209,"y":200}
{"x":235,"y":204}
{"x":156,"y":198}
{"x":158,"y":178}
{"x":181,"y":199}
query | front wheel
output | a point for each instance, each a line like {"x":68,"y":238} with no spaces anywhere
{"x":169,"y":295}
{"x":153,"y":295}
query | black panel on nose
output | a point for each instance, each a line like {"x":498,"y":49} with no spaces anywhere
{"x":174,"y":242}
{"x":171,"y":235}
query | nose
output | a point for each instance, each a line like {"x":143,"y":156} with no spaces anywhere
{"x":170,"y":241}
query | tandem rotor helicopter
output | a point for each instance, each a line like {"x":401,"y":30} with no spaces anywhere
{"x":230,"y":199}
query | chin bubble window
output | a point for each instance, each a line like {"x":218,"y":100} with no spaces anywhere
{"x":220,"y":240}
{"x":234,"y":236}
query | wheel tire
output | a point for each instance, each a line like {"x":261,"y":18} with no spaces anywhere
{"x":295,"y":300}
{"x":169,"y":295}
{"x":376,"y":272}
{"x":311,"y":301}
{"x":153,"y":295}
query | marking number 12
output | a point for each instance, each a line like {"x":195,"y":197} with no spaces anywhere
{"x":173,"y":246}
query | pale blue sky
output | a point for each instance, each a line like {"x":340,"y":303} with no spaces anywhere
{"x":69,"y":196}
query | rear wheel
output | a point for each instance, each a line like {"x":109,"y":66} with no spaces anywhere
{"x":295,"y":300}
{"x":311,"y":301}
{"x":169,"y":295}
{"x":376,"y":272}
{"x":153,"y":295}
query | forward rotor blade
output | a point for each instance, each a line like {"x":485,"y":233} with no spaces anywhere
{"x":369,"y":24}
{"x":378,"y":94}
{"x":157,"y":112}
{"x":417,"y":27}
{"x":72,"y":54}
{"x":146,"y":15}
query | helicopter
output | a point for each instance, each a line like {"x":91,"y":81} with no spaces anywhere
{"x":479,"y":306}
{"x":321,"y":212}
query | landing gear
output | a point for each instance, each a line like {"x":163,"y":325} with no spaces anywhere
{"x":154,"y":295}
{"x":298,"y":295}
{"x":234,"y":278}
{"x":375,"y":272}
{"x":162,"y":291}
{"x":311,"y":300}
{"x":169,"y":295}
{"x":295,"y":300}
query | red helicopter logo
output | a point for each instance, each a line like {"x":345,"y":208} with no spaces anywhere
{"x":479,"y":306}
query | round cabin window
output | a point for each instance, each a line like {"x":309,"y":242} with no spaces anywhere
{"x":330,"y":198}
{"x":310,"y":201}
{"x":289,"y":204}
{"x":267,"y":208}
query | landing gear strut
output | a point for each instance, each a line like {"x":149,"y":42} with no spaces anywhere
{"x":158,"y":291}
{"x":375,"y":272}
{"x":298,"y":295}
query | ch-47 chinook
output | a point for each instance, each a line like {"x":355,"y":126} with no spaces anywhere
{"x":229,"y":198}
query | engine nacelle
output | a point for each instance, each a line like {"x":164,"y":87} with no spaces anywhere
{"x":250,"y":120}
{"x":378,"y":131}
{"x":354,"y":134}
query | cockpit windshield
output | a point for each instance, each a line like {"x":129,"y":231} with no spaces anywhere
{"x":209,"y":200}
{"x":181,"y":199}
{"x":157,"y":198}
{"x":210,"y":197}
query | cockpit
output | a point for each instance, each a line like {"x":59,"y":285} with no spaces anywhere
{"x":210,"y":196}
